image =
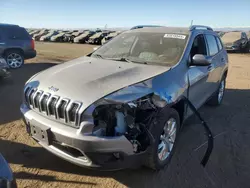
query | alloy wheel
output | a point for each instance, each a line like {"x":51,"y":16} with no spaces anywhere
{"x":14,"y":60}
{"x":167,"y":139}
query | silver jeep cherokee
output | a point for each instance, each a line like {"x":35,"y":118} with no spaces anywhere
{"x":123,"y":105}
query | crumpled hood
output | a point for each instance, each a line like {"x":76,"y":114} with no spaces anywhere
{"x":88,"y":79}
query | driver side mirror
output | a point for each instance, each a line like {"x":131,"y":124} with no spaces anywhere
{"x":200,"y":60}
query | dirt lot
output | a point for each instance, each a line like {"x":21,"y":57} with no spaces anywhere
{"x":59,"y":52}
{"x":229,"y":165}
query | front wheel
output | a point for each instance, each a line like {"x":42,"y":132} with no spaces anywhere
{"x":216,"y":99}
{"x":165,"y":133}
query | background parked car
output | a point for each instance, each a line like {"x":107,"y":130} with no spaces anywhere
{"x":58,"y":37}
{"x":110,"y":36}
{"x":74,"y":35}
{"x":97,"y":38}
{"x":48,"y":36}
{"x":33,"y":32}
{"x":248,"y":35}
{"x":40,"y":34}
{"x":16,"y":45}
{"x":84,"y":37}
{"x":235,"y":41}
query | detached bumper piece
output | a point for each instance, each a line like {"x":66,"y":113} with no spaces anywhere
{"x":6,"y":176}
{"x":208,"y":132}
{"x":7,"y":183}
{"x":4,"y":73}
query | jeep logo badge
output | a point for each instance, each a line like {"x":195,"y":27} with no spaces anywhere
{"x":54,"y":89}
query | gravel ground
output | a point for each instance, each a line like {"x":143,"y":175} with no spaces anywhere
{"x":229,"y":165}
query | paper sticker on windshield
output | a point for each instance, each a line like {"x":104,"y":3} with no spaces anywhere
{"x":174,"y":36}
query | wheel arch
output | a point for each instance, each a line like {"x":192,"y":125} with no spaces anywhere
{"x":180,"y":107}
{"x":13,"y":49}
{"x":225,"y":73}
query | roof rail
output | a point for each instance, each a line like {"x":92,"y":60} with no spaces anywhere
{"x":194,"y":27}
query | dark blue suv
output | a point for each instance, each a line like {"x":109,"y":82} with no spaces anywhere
{"x":16,"y":45}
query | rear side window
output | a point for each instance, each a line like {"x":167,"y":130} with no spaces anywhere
{"x":17,"y":33}
{"x":212,"y":45}
{"x":219,"y":43}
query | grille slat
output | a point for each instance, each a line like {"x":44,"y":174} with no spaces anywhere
{"x":53,"y":106}
{"x":61,"y":109}
{"x":32,"y":95}
{"x":37,"y":97}
{"x":26,"y":92}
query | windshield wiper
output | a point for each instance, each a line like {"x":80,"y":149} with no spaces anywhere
{"x":121,"y":59}
{"x":98,"y":55}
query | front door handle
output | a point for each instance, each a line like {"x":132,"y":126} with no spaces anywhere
{"x":223,"y":59}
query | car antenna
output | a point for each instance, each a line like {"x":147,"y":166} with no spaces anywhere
{"x":191,"y":23}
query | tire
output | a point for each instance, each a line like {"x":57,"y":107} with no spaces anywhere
{"x":217,"y":98}
{"x":247,"y":49}
{"x":14,"y":58}
{"x":153,"y":160}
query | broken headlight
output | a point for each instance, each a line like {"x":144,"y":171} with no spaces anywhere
{"x":131,"y":119}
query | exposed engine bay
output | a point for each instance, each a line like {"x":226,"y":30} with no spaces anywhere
{"x":132,"y":120}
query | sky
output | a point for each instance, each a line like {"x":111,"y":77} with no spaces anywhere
{"x":121,"y":13}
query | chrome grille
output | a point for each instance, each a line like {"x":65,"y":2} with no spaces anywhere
{"x":61,"y":109}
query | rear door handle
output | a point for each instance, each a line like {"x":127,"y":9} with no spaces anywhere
{"x":223,"y":59}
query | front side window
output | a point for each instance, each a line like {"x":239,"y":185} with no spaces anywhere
{"x":219,"y":43}
{"x":212,"y":45}
{"x":199,"y":46}
{"x":145,"y":47}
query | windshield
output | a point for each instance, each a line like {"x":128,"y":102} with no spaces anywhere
{"x":145,"y":47}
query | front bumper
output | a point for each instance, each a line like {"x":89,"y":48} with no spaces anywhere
{"x":29,"y":54}
{"x":71,"y":144}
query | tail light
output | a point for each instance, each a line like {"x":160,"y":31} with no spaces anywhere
{"x":32,"y":44}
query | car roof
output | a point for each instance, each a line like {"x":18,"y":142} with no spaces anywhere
{"x":8,"y":25}
{"x":183,"y":30}
{"x":178,"y":30}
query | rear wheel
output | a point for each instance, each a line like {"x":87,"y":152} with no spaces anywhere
{"x":14,"y":59}
{"x":165,"y":134}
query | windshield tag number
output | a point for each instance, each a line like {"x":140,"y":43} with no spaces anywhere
{"x":175,"y":36}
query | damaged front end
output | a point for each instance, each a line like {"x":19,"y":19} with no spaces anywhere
{"x":128,"y":112}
